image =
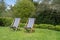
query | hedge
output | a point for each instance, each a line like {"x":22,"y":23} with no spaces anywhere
{"x":47,"y":26}
{"x":5,"y":21}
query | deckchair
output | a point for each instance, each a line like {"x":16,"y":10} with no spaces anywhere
{"x":15,"y":23}
{"x":29,"y":26}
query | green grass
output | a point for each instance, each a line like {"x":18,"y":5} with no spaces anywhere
{"x":40,"y":34}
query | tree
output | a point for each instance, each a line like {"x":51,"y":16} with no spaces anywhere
{"x":23,"y":8}
{"x":56,"y":1}
{"x":2,"y":7}
{"x":48,"y":13}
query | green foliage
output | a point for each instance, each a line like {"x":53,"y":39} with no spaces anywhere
{"x":45,"y":14}
{"x":48,"y":13}
{"x":43,"y":25}
{"x":56,"y":1}
{"x":47,"y":26}
{"x":24,"y":20}
{"x":22,"y":25}
{"x":23,"y":8}
{"x":57,"y":28}
{"x":2,"y":7}
{"x":7,"y":21}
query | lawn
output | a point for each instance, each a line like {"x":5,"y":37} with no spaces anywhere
{"x":40,"y":34}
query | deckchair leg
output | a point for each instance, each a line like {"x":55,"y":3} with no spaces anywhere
{"x":29,"y":29}
{"x":32,"y":30}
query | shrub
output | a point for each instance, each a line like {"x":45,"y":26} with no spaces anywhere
{"x":57,"y":28}
{"x":5,"y":21}
{"x":36,"y":26}
{"x":43,"y":26}
{"x":47,"y":26}
{"x":24,"y":20}
{"x":21,"y":24}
